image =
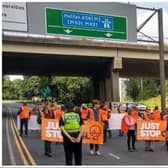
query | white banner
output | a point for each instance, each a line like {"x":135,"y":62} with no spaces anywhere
{"x":14,"y":16}
{"x":115,"y":121}
{"x":32,"y":123}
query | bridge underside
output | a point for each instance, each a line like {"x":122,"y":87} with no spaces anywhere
{"x":42,"y":64}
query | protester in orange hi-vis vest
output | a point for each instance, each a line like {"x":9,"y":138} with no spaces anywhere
{"x":130,"y":122}
{"x":148,"y":117}
{"x":24,"y":114}
{"x":84,"y":111}
{"x":135,"y":113}
{"x":105,"y":115}
{"x":58,"y":113}
{"x":156,"y":114}
{"x":94,"y":115}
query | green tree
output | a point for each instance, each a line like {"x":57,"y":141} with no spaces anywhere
{"x":167,"y":88}
{"x":18,"y":89}
{"x":139,"y":89}
{"x":151,"y":88}
{"x":7,"y":89}
{"x":32,"y":84}
{"x":77,"y":89}
{"x":133,"y":89}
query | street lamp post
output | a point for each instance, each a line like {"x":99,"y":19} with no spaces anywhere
{"x":162,"y":65}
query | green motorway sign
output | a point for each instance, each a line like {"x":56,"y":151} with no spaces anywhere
{"x":74,"y":23}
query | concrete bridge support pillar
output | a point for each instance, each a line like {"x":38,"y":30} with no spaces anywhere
{"x":96,"y":86}
{"x":102,"y":89}
{"x":112,"y":80}
{"x":115,"y":86}
{"x":108,"y":88}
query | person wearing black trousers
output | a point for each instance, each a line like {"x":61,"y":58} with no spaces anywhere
{"x":24,"y":114}
{"x":130,"y":122}
{"x":72,"y":131}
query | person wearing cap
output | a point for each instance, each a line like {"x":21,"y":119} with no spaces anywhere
{"x":72,"y":131}
{"x":94,"y":115}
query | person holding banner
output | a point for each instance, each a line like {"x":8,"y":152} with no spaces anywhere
{"x":130,"y":123}
{"x":148,"y":117}
{"x":94,"y":115}
{"x":72,"y":131}
{"x":47,"y":113}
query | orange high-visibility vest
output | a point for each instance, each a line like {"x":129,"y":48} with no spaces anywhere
{"x":104,"y":115}
{"x":92,"y":117}
{"x":25,"y":113}
{"x":58,"y":114}
{"x":135,"y":115}
{"x":147,"y":116}
{"x":156,"y":115}
{"x":124,"y":127}
{"x":84,"y":113}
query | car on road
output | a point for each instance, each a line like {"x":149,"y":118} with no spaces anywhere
{"x":141,"y":107}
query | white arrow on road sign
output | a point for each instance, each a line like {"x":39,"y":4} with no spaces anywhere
{"x":67,"y":31}
{"x":108,"y":34}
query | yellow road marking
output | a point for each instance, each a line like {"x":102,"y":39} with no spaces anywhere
{"x":33,"y":162}
{"x":18,"y":145}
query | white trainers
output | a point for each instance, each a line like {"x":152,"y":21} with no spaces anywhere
{"x":91,"y":152}
{"x":98,"y":153}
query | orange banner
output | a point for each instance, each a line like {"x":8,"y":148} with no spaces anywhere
{"x":151,"y":130}
{"x":50,"y":131}
{"x":93,"y":133}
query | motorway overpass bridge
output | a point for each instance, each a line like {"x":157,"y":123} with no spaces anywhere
{"x":104,"y":61}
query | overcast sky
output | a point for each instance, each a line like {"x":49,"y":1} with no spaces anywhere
{"x":152,"y":27}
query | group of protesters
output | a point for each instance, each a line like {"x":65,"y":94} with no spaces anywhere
{"x":72,"y":119}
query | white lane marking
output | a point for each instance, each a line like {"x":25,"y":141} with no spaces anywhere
{"x":10,"y":149}
{"x":113,"y":155}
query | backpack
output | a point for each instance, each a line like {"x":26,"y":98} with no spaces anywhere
{"x":39,"y":118}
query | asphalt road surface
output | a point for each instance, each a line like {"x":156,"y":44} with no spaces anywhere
{"x":113,"y":152}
